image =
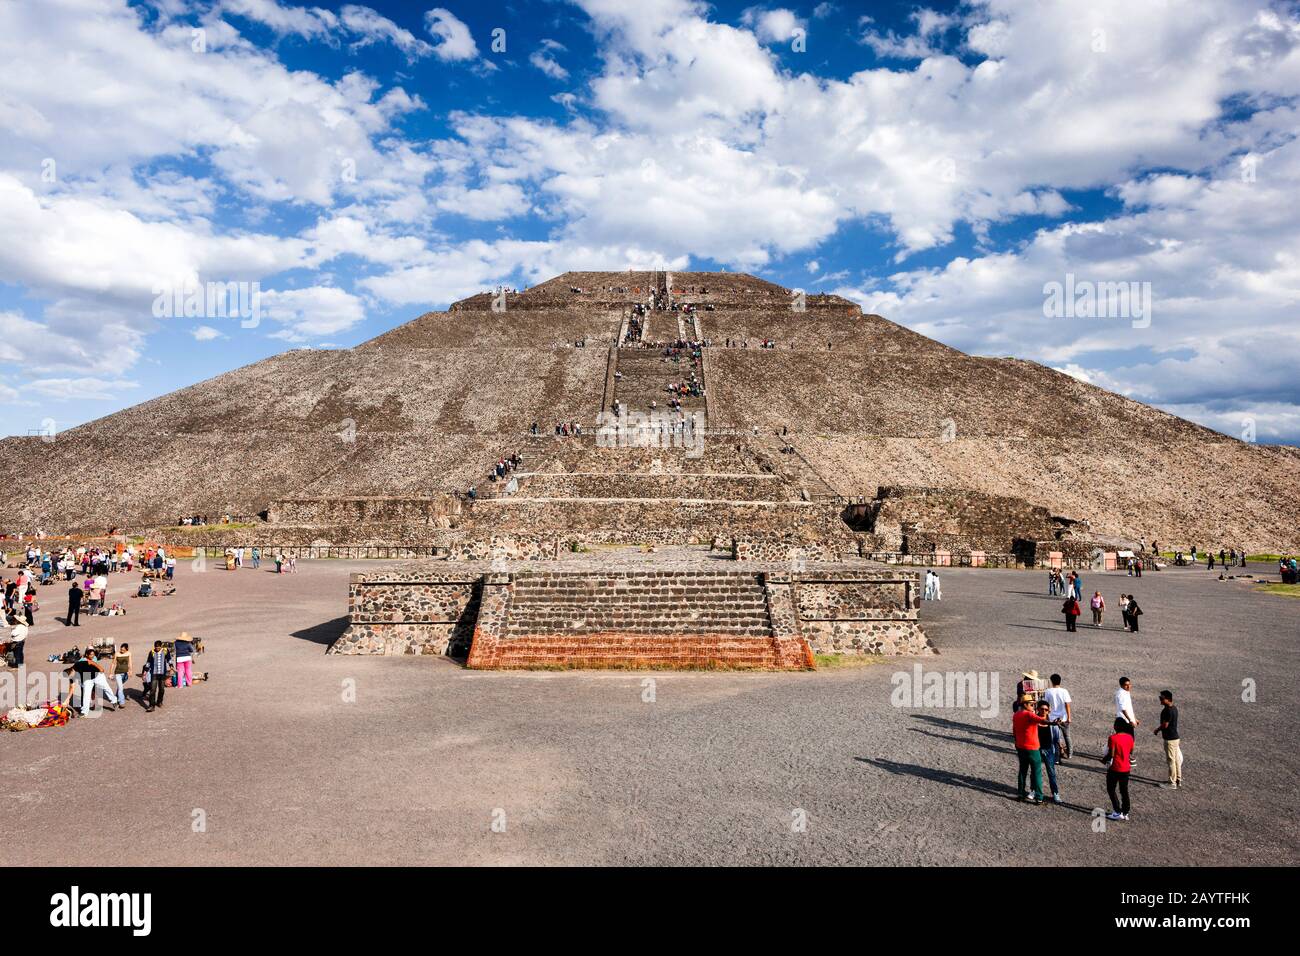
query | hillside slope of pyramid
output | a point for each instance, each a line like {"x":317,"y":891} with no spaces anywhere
{"x":430,"y":406}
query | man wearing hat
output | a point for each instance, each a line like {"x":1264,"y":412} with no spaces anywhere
{"x":1024,"y":728}
{"x":1029,"y":687}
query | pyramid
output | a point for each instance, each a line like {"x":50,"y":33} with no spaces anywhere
{"x":808,"y":420}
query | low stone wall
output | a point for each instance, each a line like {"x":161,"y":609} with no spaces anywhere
{"x":782,"y":549}
{"x":426,"y":616}
{"x":693,"y":618}
{"x":700,"y":520}
{"x":363,"y":510}
{"x":676,"y":487}
{"x":874,"y":612}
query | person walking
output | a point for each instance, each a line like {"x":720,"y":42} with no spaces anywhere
{"x":1119,"y":764}
{"x":74,"y":605}
{"x":1134,"y":612}
{"x":1071,"y":611}
{"x":1060,"y":714}
{"x":1024,"y":728}
{"x":184,"y":657}
{"x":121,"y":671}
{"x":1047,"y":748}
{"x":156,"y":666}
{"x":1168,"y":729}
{"x":1098,"y":608}
{"x":938,"y":587}
{"x":1123,"y":610}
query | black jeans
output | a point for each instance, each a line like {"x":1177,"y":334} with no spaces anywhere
{"x":1069,"y":622}
{"x":157,"y":689}
{"x":74,"y":613}
{"x":1117,"y":780}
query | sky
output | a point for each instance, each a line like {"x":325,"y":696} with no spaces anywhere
{"x":952,"y":167}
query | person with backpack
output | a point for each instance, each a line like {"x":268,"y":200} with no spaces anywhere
{"x":1134,"y":612}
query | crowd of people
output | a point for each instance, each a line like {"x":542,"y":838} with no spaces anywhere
{"x":1040,"y":724}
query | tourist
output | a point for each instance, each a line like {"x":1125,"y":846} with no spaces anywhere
{"x":257,"y":557}
{"x":184,"y":657}
{"x":1051,"y":582}
{"x":938,"y":586}
{"x":121,"y":671}
{"x":171,"y":567}
{"x":1071,"y":611}
{"x":90,"y":675}
{"x":1119,"y":764}
{"x":74,"y":606}
{"x":1062,"y":712}
{"x":279,"y":562}
{"x":1124,"y":704}
{"x":17,"y":640}
{"x":1024,"y":727}
{"x":1078,"y":586}
{"x":156,"y":667}
{"x":1029,"y":686}
{"x":1123,"y":610}
{"x":1047,"y":749}
{"x":1168,"y":729}
{"x":1134,"y":612}
{"x":1098,"y":608}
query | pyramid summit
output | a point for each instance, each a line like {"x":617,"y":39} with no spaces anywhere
{"x":689,"y":406}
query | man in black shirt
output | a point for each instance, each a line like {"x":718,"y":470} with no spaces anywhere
{"x":1168,"y":728}
{"x":74,"y":606}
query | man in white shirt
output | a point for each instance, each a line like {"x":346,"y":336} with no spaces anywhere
{"x":1058,"y":698}
{"x":1124,"y":703}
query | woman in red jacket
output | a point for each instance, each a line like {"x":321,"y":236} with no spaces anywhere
{"x":1071,"y":611}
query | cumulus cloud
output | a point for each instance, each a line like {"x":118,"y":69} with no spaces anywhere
{"x":455,"y":42}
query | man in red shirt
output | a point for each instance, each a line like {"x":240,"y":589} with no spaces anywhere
{"x":1024,"y":726}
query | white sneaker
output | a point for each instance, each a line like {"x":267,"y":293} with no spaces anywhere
{"x":1114,"y":816}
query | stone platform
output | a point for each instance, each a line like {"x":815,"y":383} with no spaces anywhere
{"x":681,"y":610}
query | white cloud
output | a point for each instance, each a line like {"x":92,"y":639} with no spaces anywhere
{"x":772,"y":26}
{"x":206,"y":333}
{"x":454,"y":40}
{"x":372,"y":27}
{"x":309,"y":23}
{"x":543,"y":58}
{"x":316,"y":311}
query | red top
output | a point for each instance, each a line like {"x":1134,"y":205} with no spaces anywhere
{"x":1121,"y":748}
{"x":1025,"y":727}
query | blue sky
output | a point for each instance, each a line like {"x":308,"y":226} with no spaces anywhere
{"x":938,"y":163}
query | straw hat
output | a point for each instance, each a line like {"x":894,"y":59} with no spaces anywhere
{"x":1032,"y":675}
{"x":185,"y":636}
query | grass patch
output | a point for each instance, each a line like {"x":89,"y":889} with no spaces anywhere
{"x":1286,"y":590}
{"x":832,"y":662}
